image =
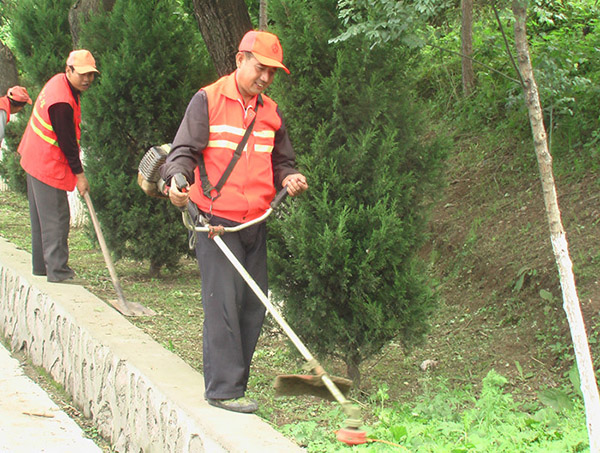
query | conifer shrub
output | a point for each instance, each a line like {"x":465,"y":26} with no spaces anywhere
{"x":343,"y":257}
{"x":151,"y":61}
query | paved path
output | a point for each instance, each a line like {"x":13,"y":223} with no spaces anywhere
{"x":30,"y":422}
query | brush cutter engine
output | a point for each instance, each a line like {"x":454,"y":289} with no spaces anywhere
{"x":149,"y":171}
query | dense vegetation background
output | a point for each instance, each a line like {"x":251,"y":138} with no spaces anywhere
{"x":423,"y":236}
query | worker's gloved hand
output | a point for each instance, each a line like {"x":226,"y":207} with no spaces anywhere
{"x":178,"y":193}
{"x":296,"y":184}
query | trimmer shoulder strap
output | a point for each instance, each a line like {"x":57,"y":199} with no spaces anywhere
{"x":207,"y":187}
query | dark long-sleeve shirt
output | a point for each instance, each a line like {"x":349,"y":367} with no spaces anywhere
{"x":192,"y":138}
{"x":61,"y":118}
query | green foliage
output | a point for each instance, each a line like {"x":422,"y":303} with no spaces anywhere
{"x":444,"y":421}
{"x":384,"y":21}
{"x":42,"y":39}
{"x":343,"y":259}
{"x":151,"y":63}
{"x":39,"y":35}
{"x":10,"y":168}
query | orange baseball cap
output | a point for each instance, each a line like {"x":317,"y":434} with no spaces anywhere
{"x":265,"y":47}
{"x":83,"y":61}
{"x":18,"y":94}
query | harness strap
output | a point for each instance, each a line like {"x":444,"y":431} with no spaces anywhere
{"x":207,"y":187}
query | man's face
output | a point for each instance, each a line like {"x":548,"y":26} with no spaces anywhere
{"x":81,"y":82}
{"x":252,"y":76}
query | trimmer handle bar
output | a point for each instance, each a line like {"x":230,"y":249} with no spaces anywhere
{"x":204,"y":227}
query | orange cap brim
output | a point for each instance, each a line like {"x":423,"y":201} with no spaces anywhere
{"x":270,"y":62}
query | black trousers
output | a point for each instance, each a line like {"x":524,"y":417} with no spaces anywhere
{"x":50,"y":222}
{"x":233,"y":315}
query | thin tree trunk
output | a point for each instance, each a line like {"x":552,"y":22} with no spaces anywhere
{"x":558,"y":238}
{"x":8,"y":69}
{"x":352,"y":361}
{"x":466,"y":35}
{"x":81,"y":11}
{"x":262,"y":19}
{"x":222,"y":24}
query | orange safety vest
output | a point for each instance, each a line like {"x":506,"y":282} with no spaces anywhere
{"x":41,"y":156}
{"x":5,"y":105}
{"x":249,"y":189}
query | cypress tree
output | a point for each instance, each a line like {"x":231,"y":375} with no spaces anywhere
{"x":151,"y":61}
{"x":343,"y":255}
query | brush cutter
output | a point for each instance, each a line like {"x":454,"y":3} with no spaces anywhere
{"x":320,"y":384}
{"x":124,"y":307}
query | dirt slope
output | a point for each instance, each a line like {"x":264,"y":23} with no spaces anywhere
{"x":491,"y":255}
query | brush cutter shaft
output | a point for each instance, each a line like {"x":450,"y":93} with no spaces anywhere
{"x":335,"y":391}
{"x":264,"y":299}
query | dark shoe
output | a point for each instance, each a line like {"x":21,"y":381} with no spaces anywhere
{"x":39,"y":274}
{"x":243,"y":404}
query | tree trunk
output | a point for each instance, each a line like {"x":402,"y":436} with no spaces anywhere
{"x":558,"y":238}
{"x":352,"y":367}
{"x":466,"y":35}
{"x":8,"y":69}
{"x":222,"y":24}
{"x":81,"y":10}
{"x":262,"y":15}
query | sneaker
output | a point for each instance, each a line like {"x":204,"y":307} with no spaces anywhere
{"x":243,"y":404}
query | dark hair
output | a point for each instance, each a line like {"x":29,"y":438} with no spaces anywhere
{"x":16,"y":103}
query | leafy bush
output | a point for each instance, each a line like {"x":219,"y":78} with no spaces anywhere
{"x":151,"y":64}
{"x":41,"y":40}
{"x":343,"y":259}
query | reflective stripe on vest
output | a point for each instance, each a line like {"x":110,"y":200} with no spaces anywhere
{"x":44,"y":125}
{"x":249,"y":188}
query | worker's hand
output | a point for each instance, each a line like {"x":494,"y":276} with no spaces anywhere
{"x":83,"y":185}
{"x":177,"y":197}
{"x":296,"y":184}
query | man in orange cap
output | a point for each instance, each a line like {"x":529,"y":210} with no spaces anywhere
{"x":50,"y":155}
{"x":234,"y":114}
{"x":14,"y":101}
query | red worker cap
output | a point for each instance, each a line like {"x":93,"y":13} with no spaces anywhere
{"x":265,"y":47}
{"x":18,"y":94}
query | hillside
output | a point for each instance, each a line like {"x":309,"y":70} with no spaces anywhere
{"x":490,"y":255}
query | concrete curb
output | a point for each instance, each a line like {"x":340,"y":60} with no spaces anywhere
{"x":141,"y":397}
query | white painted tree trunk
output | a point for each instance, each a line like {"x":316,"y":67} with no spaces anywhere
{"x":571,"y":304}
{"x":77,"y":209}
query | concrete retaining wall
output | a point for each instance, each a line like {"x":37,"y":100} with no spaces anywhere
{"x":141,"y":397}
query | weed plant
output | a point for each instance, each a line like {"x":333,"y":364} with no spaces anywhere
{"x":443,"y":420}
